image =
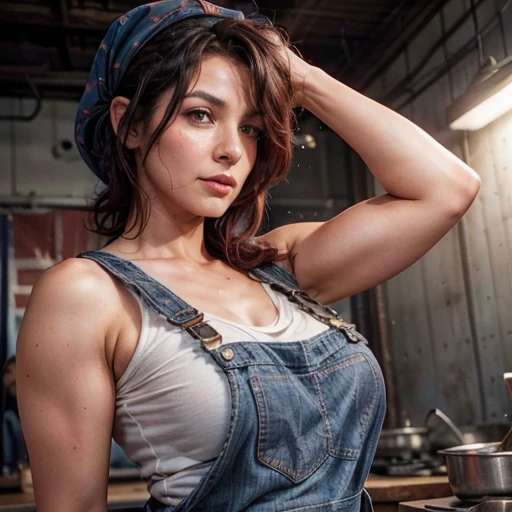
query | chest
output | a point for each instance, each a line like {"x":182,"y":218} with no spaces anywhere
{"x":220,"y":291}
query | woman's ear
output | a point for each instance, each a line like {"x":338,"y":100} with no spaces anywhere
{"x":118,"y":107}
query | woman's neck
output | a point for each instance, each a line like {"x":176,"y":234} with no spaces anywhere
{"x":165,"y":235}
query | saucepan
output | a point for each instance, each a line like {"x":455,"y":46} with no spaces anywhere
{"x":445,"y":434}
{"x":409,"y":442}
{"x":476,"y":471}
{"x":481,"y":470}
{"x":403,"y":443}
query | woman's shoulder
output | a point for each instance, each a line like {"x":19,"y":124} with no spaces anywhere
{"x":73,"y":312}
{"x":77,"y":276}
{"x":76,"y":285}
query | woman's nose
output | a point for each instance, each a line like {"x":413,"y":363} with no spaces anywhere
{"x":229,"y":148}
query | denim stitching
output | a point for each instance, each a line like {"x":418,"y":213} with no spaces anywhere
{"x":319,"y":505}
{"x":345,"y":363}
{"x":274,"y":463}
{"x":344,"y":452}
{"x":262,"y":411}
{"x":371,"y":403}
{"x":318,"y":393}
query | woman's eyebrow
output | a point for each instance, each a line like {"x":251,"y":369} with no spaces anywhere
{"x":206,"y":96}
{"x":214,"y":100}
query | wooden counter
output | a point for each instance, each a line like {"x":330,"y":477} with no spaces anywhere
{"x":386,"y":493}
{"x":385,"y":489}
{"x":125,"y":496}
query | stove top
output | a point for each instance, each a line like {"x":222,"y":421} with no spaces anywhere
{"x":453,"y":504}
{"x":423,"y":465}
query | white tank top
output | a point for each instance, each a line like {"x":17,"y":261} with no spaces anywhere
{"x":173,"y":401}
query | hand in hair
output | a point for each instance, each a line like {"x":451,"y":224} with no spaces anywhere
{"x":299,"y":68}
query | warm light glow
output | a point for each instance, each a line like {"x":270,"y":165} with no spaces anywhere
{"x":486,"y":112}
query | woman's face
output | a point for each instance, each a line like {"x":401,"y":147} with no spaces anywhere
{"x":201,"y":161}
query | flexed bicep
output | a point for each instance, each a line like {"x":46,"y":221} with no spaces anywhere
{"x":364,"y":245}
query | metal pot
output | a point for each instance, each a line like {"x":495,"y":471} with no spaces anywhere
{"x":475,"y":471}
{"x":403,"y":443}
{"x":441,"y":438}
{"x":484,"y":432}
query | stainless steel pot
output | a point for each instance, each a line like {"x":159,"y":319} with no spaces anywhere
{"x":484,"y":433}
{"x":475,"y":471}
{"x":403,"y":443}
{"x":441,"y":438}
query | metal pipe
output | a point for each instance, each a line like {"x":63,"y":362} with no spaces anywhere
{"x":391,"y":95}
{"x":37,"y":108}
{"x":66,"y":54}
{"x":445,"y":53}
{"x":502,"y":27}
{"x":455,"y":59}
{"x":468,"y":288}
{"x":474,"y":15}
{"x":386,"y":54}
{"x":392,"y":416}
{"x":33,"y":201}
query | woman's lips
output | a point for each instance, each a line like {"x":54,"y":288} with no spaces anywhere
{"x":221,"y":183}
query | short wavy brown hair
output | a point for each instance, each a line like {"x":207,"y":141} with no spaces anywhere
{"x":172,"y":60}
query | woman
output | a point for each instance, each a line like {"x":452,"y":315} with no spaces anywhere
{"x":186,"y":336}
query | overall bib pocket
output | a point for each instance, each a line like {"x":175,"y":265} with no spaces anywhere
{"x":292,"y":434}
{"x":351,"y":413}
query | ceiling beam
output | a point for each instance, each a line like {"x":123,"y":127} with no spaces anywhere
{"x":374,"y":56}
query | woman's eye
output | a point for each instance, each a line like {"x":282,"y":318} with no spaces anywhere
{"x":251,"y":131}
{"x":199,"y":116}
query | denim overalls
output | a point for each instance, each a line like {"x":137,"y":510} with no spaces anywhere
{"x":305,"y":417}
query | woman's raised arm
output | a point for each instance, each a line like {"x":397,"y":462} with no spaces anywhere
{"x":65,"y":387}
{"x":428,"y":190}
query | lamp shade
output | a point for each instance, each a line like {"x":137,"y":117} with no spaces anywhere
{"x":485,"y":100}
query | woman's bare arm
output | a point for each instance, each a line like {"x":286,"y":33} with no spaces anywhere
{"x":428,"y":190}
{"x":65,"y":388}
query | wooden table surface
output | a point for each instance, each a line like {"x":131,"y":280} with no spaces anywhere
{"x":126,"y":493}
{"x":382,"y":489}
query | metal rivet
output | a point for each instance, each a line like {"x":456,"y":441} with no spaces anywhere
{"x":228,"y":354}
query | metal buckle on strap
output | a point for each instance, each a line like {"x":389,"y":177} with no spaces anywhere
{"x":176,"y":318}
{"x":319,"y":311}
{"x":206,"y":334}
{"x":201,"y":331}
{"x":348,"y":329}
{"x":193,"y":321}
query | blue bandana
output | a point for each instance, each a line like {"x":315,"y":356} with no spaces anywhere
{"x":122,"y":41}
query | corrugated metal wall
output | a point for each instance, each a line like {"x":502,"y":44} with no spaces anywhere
{"x":450,"y":314}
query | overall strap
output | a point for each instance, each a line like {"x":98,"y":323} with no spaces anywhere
{"x":272,"y":273}
{"x":157,"y":297}
{"x":284,"y":282}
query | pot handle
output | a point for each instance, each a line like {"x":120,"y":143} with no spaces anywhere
{"x":447,"y":421}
